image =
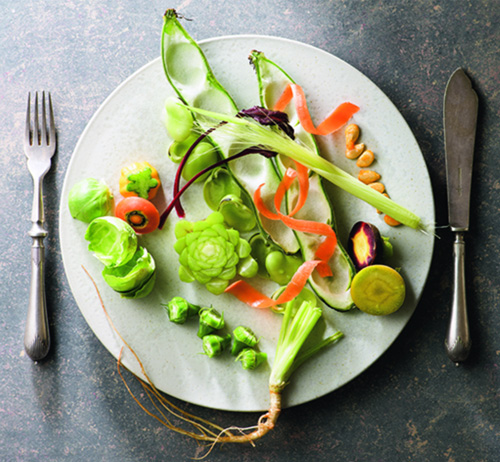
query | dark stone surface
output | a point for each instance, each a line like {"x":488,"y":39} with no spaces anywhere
{"x":413,"y":403}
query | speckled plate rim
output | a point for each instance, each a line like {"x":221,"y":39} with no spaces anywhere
{"x":113,"y":138}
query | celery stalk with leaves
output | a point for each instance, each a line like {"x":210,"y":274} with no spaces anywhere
{"x":246,"y":132}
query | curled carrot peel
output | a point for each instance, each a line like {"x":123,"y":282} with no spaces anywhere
{"x":336,"y":119}
{"x":303,"y":178}
{"x":327,"y":247}
{"x":246,"y":293}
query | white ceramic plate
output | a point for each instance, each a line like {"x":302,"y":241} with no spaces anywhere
{"x":128,"y":127}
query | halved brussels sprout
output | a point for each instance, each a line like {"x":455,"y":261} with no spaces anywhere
{"x":132,"y":275}
{"x":113,"y":241}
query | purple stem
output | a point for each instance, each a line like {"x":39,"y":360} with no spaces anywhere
{"x":178,"y":194}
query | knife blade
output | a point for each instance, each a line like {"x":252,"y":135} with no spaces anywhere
{"x":460,"y":121}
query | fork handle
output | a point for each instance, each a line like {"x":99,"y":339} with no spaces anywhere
{"x":37,"y":335}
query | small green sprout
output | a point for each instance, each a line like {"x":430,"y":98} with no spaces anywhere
{"x":89,"y":199}
{"x":210,"y":321}
{"x":179,"y":310}
{"x":214,"y":345}
{"x":243,"y":338}
{"x":251,"y":359}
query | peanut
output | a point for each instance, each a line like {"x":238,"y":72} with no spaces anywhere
{"x":377,"y":186}
{"x":351,"y":135}
{"x":355,"y":152}
{"x":391,"y":221}
{"x":366,"y":159}
{"x":368,"y":176}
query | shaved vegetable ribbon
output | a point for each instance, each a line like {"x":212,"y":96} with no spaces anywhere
{"x":244,"y":292}
{"x":336,"y":119}
{"x":327,"y":247}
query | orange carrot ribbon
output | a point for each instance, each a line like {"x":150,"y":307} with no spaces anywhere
{"x":244,"y":292}
{"x":326,"y":248}
{"x":336,"y":119}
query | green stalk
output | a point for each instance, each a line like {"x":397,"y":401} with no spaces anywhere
{"x":294,"y":332}
{"x":247,"y":132}
{"x":304,"y":356}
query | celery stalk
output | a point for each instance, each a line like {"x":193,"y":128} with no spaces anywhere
{"x":246,"y":132}
{"x":295,"y":329}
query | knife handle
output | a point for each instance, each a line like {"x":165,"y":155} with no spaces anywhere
{"x":458,"y":341}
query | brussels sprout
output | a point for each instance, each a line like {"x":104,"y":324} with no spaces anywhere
{"x":89,"y":199}
{"x":141,"y":291}
{"x":132,"y":275}
{"x":113,"y":241}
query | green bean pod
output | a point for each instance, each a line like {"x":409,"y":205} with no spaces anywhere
{"x":334,"y":291}
{"x":191,"y":77}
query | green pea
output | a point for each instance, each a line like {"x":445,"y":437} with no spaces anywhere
{"x":202,"y":156}
{"x":178,"y":119}
{"x":248,"y":267}
{"x":236,"y":214}
{"x":218,"y":185}
{"x":177,"y":149}
{"x":281,"y":267}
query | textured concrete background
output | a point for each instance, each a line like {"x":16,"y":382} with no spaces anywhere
{"x":413,"y":404}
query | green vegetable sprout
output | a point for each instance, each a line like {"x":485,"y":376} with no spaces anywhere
{"x":134,"y":279}
{"x":129,"y":270}
{"x":214,"y":345}
{"x":89,"y":199}
{"x":243,"y":338}
{"x":179,"y":310}
{"x":212,"y":254}
{"x":210,"y":321}
{"x":251,"y":359}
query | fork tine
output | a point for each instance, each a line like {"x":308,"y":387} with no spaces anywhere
{"x":36,"y":132}
{"x":43,"y":134}
{"x":52,"y":125}
{"x":27,"y":135}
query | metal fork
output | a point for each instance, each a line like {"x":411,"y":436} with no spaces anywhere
{"x":39,"y":147}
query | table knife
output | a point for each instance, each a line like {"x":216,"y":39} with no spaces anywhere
{"x":460,"y":117}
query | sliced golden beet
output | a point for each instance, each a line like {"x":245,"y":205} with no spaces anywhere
{"x":378,"y":290}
